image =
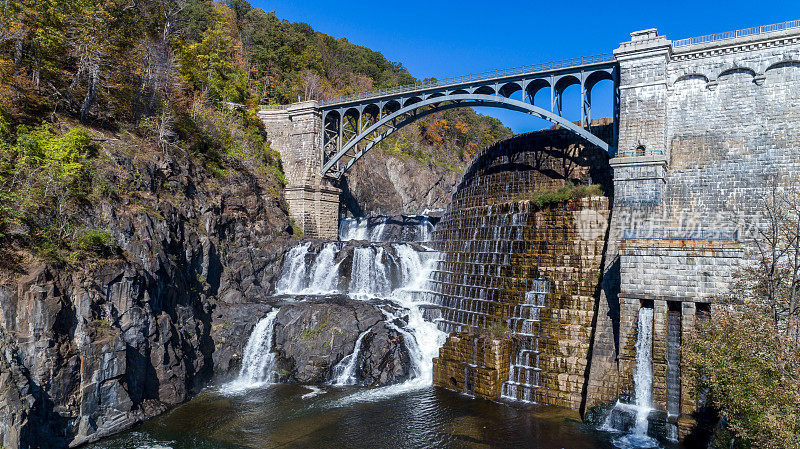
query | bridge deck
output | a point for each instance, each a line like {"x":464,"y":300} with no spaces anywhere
{"x":458,"y":81}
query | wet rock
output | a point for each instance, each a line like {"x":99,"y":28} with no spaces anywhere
{"x":312,"y":336}
{"x":384,"y":358}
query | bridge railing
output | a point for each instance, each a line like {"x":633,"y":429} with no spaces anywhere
{"x":737,"y":33}
{"x":502,"y":73}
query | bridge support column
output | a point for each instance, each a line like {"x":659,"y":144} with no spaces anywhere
{"x":295,"y":131}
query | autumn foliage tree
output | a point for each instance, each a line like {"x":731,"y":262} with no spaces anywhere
{"x":747,"y":357}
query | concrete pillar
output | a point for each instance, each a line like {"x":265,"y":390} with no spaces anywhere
{"x":296,"y":131}
{"x":660,"y":354}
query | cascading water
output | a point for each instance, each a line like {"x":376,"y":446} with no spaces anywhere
{"x":643,"y":379}
{"x":353,"y":229}
{"x":320,"y":277}
{"x":325,"y":272}
{"x":404,"y":228}
{"x":643,"y":390}
{"x":258,"y":364}
{"x":394,"y":275}
{"x":370,"y":276}
{"x":344,"y":373}
{"x":294,"y":277}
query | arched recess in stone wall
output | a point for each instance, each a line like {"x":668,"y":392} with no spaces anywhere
{"x":783,"y":64}
{"x":691,"y":76}
{"x":736,"y":70}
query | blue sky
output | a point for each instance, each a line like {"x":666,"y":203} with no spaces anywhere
{"x":447,"y":38}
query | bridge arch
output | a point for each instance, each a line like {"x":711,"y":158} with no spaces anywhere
{"x":412,"y":110}
{"x":509,"y":89}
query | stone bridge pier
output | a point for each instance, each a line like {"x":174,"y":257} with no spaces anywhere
{"x":296,"y":133}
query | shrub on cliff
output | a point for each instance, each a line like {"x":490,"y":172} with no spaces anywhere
{"x":44,"y":179}
{"x":43,"y":174}
{"x":546,"y":197}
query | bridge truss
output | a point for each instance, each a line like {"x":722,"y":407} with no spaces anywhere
{"x":354,"y":125}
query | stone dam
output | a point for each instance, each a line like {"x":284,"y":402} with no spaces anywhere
{"x":585,"y":303}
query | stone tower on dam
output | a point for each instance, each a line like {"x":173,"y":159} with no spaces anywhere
{"x":703,"y":128}
{"x":706,"y":127}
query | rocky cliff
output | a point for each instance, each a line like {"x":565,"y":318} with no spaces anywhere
{"x":385,"y":184}
{"x":89,"y":349}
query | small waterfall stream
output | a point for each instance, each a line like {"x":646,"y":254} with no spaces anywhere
{"x":258,"y":363}
{"x":344,"y":373}
{"x":643,"y":391}
{"x":643,"y":379}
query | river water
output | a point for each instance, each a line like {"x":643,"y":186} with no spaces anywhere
{"x":286,"y":416}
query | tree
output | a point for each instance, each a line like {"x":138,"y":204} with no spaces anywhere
{"x":771,"y":277}
{"x":748,"y":355}
{"x":312,"y":85}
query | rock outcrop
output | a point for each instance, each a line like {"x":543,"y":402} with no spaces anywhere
{"x":89,"y":350}
{"x":312,"y":336}
{"x":382,"y":184}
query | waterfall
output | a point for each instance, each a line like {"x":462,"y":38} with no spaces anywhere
{"x":410,"y":264}
{"x":402,"y":228}
{"x":324,"y":273}
{"x":258,"y":364}
{"x":424,"y":230}
{"x":293,"y":278}
{"x":421,"y":337}
{"x":344,"y":373}
{"x":353,"y":229}
{"x":370,"y":275}
{"x":643,"y":379}
{"x":426,"y":338}
{"x":377,"y":232}
{"x":394,"y":275}
{"x":643,"y":391}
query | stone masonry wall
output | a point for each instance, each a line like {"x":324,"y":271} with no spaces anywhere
{"x":496,"y":243}
{"x":296,"y":132}
{"x":685,"y":211}
{"x":472,"y":364}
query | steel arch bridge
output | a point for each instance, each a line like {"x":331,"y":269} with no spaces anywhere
{"x":355,"y":124}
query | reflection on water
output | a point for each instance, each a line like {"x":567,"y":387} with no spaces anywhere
{"x":279,"y":416}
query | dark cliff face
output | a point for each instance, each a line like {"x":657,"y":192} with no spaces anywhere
{"x":382,"y":184}
{"x":88,"y":350}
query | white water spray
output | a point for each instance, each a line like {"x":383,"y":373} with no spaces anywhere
{"x":293,"y":278}
{"x":643,"y":379}
{"x":324,"y":277}
{"x":370,"y":276}
{"x":258,"y":364}
{"x":643,"y":389}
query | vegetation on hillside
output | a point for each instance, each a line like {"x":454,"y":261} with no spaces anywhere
{"x":747,"y":355}
{"x":449,"y":139}
{"x":186,"y":76}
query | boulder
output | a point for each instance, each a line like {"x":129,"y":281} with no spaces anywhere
{"x":314,"y":335}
